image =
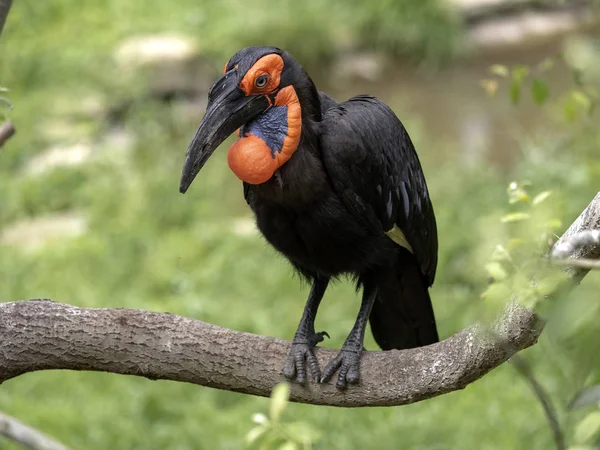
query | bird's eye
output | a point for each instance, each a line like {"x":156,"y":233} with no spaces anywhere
{"x":261,"y":81}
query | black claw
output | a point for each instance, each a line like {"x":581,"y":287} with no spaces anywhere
{"x":318,"y":337}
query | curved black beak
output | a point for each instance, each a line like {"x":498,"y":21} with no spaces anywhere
{"x":228,"y":109}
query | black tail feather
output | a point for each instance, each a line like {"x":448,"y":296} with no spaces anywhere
{"x":402,"y":316}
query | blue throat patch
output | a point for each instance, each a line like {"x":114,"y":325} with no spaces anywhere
{"x":271,"y":126}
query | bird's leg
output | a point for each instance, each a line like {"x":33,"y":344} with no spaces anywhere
{"x":348,"y":360}
{"x":306,"y":338}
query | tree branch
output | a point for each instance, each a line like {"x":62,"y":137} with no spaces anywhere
{"x":562,"y":250}
{"x":41,"y":334}
{"x":7,"y":130}
{"x":4,"y":9}
{"x":26,"y":436}
{"x":538,"y":390}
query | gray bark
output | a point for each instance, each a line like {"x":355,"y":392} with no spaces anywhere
{"x":7,"y":130}
{"x":41,"y":335}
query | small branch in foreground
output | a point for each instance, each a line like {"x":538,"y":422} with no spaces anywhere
{"x":4,"y":9}
{"x":581,"y":263}
{"x":585,"y":238}
{"x":41,"y":335}
{"x":7,"y":130}
{"x":565,"y":251}
{"x":28,"y":437}
{"x":538,"y":390}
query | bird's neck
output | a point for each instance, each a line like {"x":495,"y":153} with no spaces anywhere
{"x":310,"y":102}
{"x":302,"y":179}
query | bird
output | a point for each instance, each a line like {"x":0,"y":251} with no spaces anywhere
{"x":339,"y":190}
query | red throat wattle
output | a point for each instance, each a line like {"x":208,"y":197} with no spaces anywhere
{"x":251,"y":158}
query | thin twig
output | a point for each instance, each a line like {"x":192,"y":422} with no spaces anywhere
{"x":28,"y":437}
{"x":572,"y":243}
{"x":4,"y":9}
{"x":583,"y":263}
{"x":549,"y":410}
{"x":7,"y":130}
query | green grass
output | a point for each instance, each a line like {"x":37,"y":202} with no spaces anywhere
{"x":149,"y":247}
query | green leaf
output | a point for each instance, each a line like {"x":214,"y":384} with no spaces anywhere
{"x":570,"y":109}
{"x":303,"y":432}
{"x":255,"y":433}
{"x":279,"y":400}
{"x":289,"y":446}
{"x":586,"y":397}
{"x":519,"y":72}
{"x":582,"y":99}
{"x":581,"y":447}
{"x":499,"y":69}
{"x":500,"y":254}
{"x":515,"y":242}
{"x":541,"y":197}
{"x":518,"y":75}
{"x":588,"y":427}
{"x":529,"y":298}
{"x":577,"y":102}
{"x":517,"y":193}
{"x":539,"y":91}
{"x":497,"y":293}
{"x":514,"y":91}
{"x":496,"y":271}
{"x":515,"y":217}
{"x":548,"y":285}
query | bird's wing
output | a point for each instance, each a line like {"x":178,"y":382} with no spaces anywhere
{"x":374,"y":168}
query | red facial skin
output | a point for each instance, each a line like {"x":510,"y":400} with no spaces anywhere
{"x":250,"y":158}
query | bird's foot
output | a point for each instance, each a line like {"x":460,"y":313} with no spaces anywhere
{"x":301,"y":355}
{"x":348,"y":362}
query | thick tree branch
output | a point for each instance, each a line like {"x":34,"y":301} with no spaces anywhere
{"x":40,"y":335}
{"x":582,"y":229}
{"x":563,"y":250}
{"x":28,"y":437}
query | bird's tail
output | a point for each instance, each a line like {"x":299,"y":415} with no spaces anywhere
{"x":402,"y":316}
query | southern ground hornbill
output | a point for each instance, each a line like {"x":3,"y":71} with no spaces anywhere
{"x":338,"y":189}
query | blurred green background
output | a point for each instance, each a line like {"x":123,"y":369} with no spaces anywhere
{"x":107,"y":94}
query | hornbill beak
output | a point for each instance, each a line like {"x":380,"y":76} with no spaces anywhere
{"x":228,"y":109}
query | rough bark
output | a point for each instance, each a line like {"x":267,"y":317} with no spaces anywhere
{"x":41,"y":334}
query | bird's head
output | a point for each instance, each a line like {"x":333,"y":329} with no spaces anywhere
{"x":261,"y":93}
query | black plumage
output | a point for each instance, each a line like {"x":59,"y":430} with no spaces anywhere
{"x":354,"y":178}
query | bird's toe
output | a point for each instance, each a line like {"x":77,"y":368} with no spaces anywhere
{"x":348,"y":363}
{"x":295,"y":368}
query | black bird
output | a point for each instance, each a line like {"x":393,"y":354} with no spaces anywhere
{"x":335,"y":187}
